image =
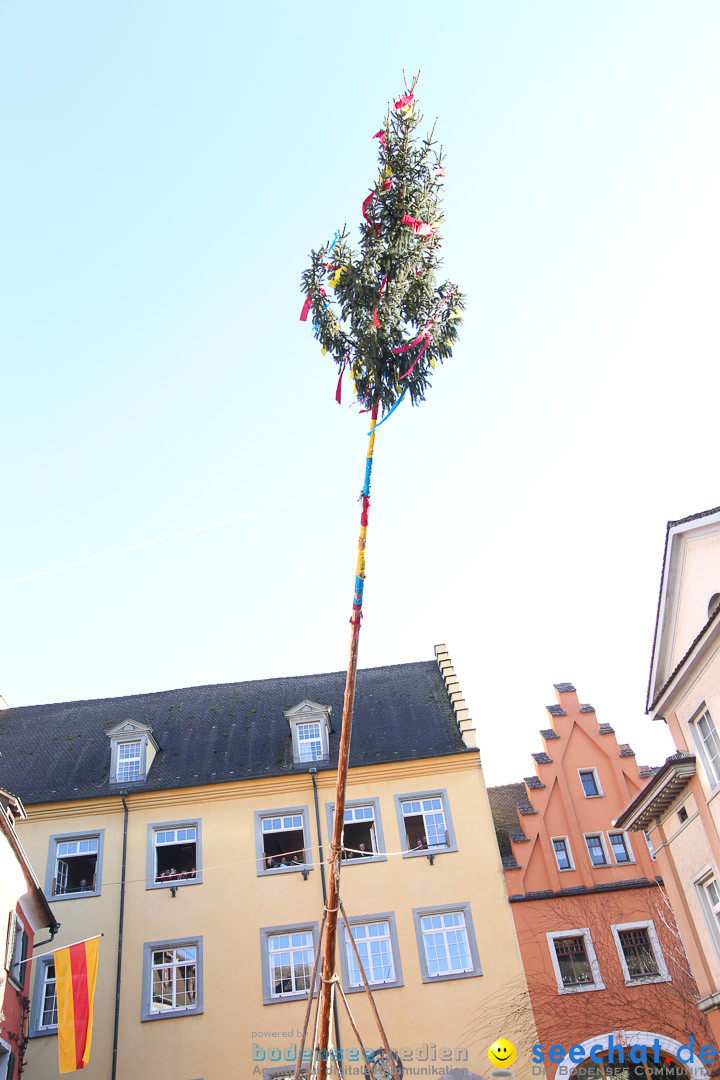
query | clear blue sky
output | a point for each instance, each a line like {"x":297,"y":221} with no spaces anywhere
{"x":166,"y":169}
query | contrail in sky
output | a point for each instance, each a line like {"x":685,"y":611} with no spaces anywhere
{"x":163,"y":539}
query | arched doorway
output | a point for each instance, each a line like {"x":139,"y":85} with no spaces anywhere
{"x":598,"y":1067}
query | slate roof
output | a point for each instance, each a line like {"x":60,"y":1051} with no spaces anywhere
{"x":548,"y":733}
{"x":564,"y":687}
{"x":223,"y":733}
{"x":503,"y":805}
{"x":556,"y":710}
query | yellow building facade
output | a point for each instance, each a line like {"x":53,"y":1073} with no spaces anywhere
{"x":221,"y":879}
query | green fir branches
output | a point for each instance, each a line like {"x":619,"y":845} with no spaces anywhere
{"x":380,"y":310}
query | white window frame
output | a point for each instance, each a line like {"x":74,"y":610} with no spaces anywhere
{"x":649,"y":926}
{"x":266,"y":934}
{"x":311,"y":745}
{"x":628,"y":848}
{"x":151,"y":866}
{"x":287,"y":811}
{"x":435,"y":849}
{"x":17,"y":948}
{"x":379,"y":854}
{"x":173,"y":944}
{"x":649,"y":843}
{"x":51,"y":876}
{"x":568,"y":851}
{"x":40,"y":987}
{"x":710,"y":765}
{"x":463,"y":909}
{"x":711,"y":913}
{"x":590,"y":769}
{"x":603,"y":844}
{"x":125,"y":760}
{"x":388,"y":918}
{"x":584,"y":933}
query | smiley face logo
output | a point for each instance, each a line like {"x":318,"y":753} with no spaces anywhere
{"x":502,"y":1053}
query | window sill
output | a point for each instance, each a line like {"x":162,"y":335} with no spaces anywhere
{"x":648,"y":979}
{"x":39,"y":1034}
{"x":580,"y":989}
{"x":442,"y":849}
{"x":374,"y":986}
{"x":275,"y":870}
{"x":301,"y":996}
{"x":84,"y":895}
{"x":566,"y":869}
{"x":450,"y":976}
{"x":171,"y":1014}
{"x":363,"y":860}
{"x":170,"y":884}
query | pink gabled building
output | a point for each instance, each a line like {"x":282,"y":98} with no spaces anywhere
{"x":603,"y":959}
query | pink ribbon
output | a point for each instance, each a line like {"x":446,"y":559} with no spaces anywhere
{"x":365,"y":205}
{"x":376,"y":321}
{"x":307,"y":305}
{"x":403,"y":101}
{"x":342,"y":372}
{"x":426,"y":335}
{"x":420,"y":228}
{"x":381,"y":136}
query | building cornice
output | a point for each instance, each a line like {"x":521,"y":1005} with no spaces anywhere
{"x":658,"y":794}
{"x":285,"y":786}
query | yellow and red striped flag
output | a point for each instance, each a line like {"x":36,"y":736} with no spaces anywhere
{"x":75,"y":977}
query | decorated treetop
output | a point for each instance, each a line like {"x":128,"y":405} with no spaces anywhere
{"x":380,"y":310}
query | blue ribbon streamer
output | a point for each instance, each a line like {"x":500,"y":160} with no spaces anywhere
{"x":368,"y":473}
{"x":359,"y":585}
{"x":337,"y":237}
{"x":387,"y":415}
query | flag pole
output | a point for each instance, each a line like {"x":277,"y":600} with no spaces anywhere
{"x":53,"y":951}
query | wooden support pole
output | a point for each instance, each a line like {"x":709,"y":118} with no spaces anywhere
{"x":368,"y":991}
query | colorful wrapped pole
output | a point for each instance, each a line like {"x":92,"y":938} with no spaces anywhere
{"x":379,"y":306}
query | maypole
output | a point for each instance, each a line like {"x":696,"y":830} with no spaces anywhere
{"x":380,"y":313}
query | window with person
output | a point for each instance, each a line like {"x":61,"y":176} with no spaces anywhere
{"x":282,"y":839}
{"x":74,"y":868}
{"x":174,"y":853}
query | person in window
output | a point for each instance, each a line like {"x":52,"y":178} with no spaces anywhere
{"x":421,"y":844}
{"x":270,"y":863}
{"x":84,"y":885}
{"x":361,"y":851}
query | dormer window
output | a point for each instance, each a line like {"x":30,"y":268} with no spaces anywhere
{"x":132,"y":750}
{"x":310,"y":730}
{"x":128,"y":761}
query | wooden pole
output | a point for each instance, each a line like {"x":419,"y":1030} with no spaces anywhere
{"x":333,"y":901}
{"x":368,"y":991}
